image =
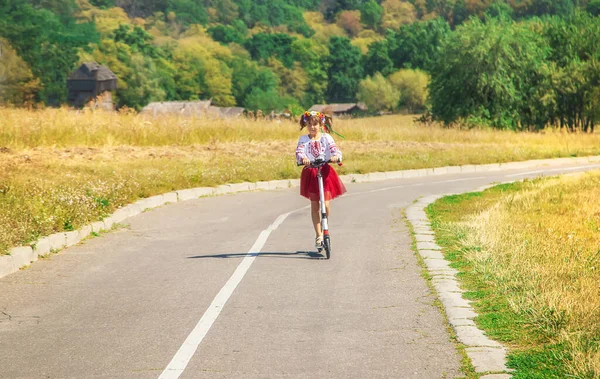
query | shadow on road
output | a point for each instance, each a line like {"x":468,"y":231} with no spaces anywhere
{"x":296,"y":255}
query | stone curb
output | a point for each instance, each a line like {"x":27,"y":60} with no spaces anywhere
{"x":24,"y":255}
{"x":485,"y":354}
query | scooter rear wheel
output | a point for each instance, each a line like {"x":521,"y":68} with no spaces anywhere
{"x":327,"y":246}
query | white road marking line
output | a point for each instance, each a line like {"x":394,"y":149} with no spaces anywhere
{"x":552,"y":170}
{"x":189,"y":347}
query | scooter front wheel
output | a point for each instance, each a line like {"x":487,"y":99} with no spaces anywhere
{"x":327,"y":246}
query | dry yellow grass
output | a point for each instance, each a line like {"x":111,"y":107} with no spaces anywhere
{"x":60,"y":169}
{"x":540,"y":247}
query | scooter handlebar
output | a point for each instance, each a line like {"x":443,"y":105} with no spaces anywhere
{"x":319,"y":162}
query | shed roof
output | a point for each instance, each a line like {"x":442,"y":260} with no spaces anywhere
{"x":178,"y":107}
{"x":192,"y":108}
{"x":226,"y":112}
{"x":93,"y":71}
{"x":338,"y":108}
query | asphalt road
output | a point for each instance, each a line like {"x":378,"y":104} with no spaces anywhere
{"x":176,"y":294}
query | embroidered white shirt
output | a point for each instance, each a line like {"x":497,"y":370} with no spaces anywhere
{"x":323,"y":148}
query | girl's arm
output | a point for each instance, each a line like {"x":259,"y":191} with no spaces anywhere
{"x":333,"y":149}
{"x":300,"y":155}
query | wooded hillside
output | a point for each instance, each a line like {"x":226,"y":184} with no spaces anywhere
{"x":519,"y":64}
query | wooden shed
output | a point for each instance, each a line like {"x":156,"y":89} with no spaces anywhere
{"x":90,"y":82}
{"x":341,"y":110}
{"x":225,"y":112}
{"x":196,"y":108}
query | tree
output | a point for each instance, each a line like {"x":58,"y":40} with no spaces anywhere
{"x":139,"y":78}
{"x":103,"y":3}
{"x":441,"y":8}
{"x":460,"y":13}
{"x":575,"y":54}
{"x":371,"y":14}
{"x":500,"y":9}
{"x":47,"y":43}
{"x":378,"y":59}
{"x":142,"y":81}
{"x":17,"y":83}
{"x":345,"y":70}
{"x":412,"y":85}
{"x":226,"y":34}
{"x":594,"y":7}
{"x":188,"y":11}
{"x":228,"y":11}
{"x":268,"y":101}
{"x":330,"y":8}
{"x":218,"y":83}
{"x":273,"y":13}
{"x":417,"y":45}
{"x":576,"y":87}
{"x":189,"y":76}
{"x":248,"y":75}
{"x":137,"y":38}
{"x":477,"y":8}
{"x":323,"y":30}
{"x":314,"y":58}
{"x":293,"y":81}
{"x":166,"y":71}
{"x":491,"y":72}
{"x":107,"y":20}
{"x":350,"y":22}
{"x":378,"y":94}
{"x":420,"y":8}
{"x":142,"y":8}
{"x":63,"y":9}
{"x":263,"y":46}
{"x":528,"y":8}
{"x":216,"y":64}
{"x":397,"y":13}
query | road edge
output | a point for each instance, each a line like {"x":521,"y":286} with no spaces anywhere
{"x":488,"y":357}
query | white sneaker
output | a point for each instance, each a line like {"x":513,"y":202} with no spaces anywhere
{"x":319,"y":243}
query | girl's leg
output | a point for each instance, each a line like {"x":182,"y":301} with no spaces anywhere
{"x":315,"y":213}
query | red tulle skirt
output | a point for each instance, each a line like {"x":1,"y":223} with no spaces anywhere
{"x":332,"y":185}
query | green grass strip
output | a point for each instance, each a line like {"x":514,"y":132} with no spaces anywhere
{"x":531,"y":355}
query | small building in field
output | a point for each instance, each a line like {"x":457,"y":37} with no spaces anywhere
{"x":341,"y":110}
{"x":182,"y":108}
{"x":225,"y":112}
{"x":92,"y":83}
{"x":198,"y":108}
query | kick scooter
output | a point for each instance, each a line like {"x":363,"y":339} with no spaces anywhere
{"x":326,"y":244}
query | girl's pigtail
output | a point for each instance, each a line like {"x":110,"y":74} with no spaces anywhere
{"x":303,"y":121}
{"x":327,"y":123}
{"x":328,"y":126}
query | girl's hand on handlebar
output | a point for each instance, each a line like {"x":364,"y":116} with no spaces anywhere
{"x":306,"y":161}
{"x":335,"y":158}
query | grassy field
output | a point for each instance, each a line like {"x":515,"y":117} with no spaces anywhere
{"x":528,"y":255}
{"x":61,"y":169}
